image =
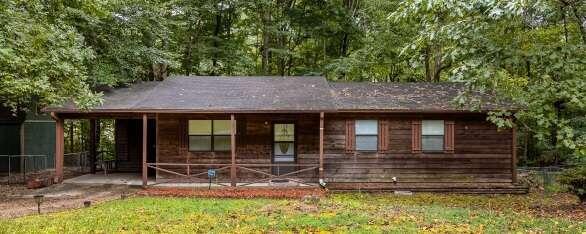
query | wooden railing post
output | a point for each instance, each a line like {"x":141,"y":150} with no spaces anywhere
{"x":321,"y":145}
{"x":144,"y":149}
{"x":233,"y":150}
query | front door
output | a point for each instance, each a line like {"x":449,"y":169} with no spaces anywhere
{"x":283,"y":147}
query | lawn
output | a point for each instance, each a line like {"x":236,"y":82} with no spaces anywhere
{"x":347,"y":212}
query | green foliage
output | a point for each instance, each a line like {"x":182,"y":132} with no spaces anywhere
{"x":529,"y":52}
{"x":42,"y":61}
{"x":575,"y":179}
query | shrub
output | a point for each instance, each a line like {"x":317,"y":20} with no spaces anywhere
{"x":575,"y":179}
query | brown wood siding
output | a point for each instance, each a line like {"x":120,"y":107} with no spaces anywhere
{"x":481,"y":154}
{"x":350,"y":136}
{"x":472,"y":160}
{"x":253,"y":144}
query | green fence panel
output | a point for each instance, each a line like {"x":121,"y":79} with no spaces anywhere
{"x":9,"y":144}
{"x":39,"y":139}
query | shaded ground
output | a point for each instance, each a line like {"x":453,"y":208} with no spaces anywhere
{"x":16,"y":200}
{"x":340,"y":212}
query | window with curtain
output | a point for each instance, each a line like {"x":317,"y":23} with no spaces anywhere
{"x":209,"y":135}
{"x":366,"y":135}
{"x":432,"y":135}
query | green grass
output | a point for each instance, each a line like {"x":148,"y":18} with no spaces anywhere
{"x":356,"y":213}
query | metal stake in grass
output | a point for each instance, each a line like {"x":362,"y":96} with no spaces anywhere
{"x":38,"y":199}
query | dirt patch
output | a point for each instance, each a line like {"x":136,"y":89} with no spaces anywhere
{"x":235,"y":192}
{"x":18,"y":201}
{"x":562,"y":205}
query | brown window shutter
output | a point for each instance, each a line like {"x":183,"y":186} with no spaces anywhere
{"x":416,"y":136}
{"x":350,"y":136}
{"x":449,"y":137}
{"x":383,"y":136}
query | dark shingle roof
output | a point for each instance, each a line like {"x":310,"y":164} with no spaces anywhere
{"x":279,"y":94}
{"x":219,"y":94}
{"x":422,"y":96}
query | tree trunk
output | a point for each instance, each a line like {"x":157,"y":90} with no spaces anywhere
{"x":187,"y":59}
{"x":434,"y":64}
{"x":426,"y":58}
{"x":438,"y":64}
{"x":576,"y":6}
{"x":581,"y":17}
{"x":265,"y":42}
{"x":71,"y":149}
{"x":216,"y":43}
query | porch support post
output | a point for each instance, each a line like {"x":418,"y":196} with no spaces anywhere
{"x":321,"y":145}
{"x":144,"y":149}
{"x":514,"y":155}
{"x":93,"y":148}
{"x":233,"y":150}
{"x":59,"y":138}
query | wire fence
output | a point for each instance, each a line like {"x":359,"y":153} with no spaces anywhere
{"x":18,"y":167}
{"x":545,"y":178}
{"x":78,"y":161}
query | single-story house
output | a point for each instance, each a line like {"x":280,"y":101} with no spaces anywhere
{"x":307,"y":130}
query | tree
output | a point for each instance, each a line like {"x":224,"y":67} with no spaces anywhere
{"x":519,"y":50}
{"x":43,"y":60}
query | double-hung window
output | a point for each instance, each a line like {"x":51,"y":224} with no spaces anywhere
{"x":366,"y":135}
{"x":209,"y":135}
{"x":432,"y":135}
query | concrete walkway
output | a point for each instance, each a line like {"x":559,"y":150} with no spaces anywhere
{"x":113,"y":178}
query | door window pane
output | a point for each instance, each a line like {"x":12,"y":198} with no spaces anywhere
{"x":284,"y":148}
{"x":366,"y":143}
{"x":200,"y":127}
{"x":222,"y":127}
{"x":222,"y":143}
{"x":366,"y":127}
{"x":284,"y":132}
{"x":200,"y":143}
{"x":432,"y":143}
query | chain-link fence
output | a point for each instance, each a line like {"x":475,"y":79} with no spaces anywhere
{"x":78,"y":161}
{"x":545,"y":178}
{"x":19,"y":167}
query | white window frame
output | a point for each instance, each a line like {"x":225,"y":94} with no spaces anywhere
{"x":212,"y":136}
{"x":428,"y":131}
{"x":358,"y":134}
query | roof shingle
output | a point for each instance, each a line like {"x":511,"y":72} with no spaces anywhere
{"x":279,"y":94}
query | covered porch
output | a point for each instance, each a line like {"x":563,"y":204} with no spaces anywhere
{"x":249,"y":151}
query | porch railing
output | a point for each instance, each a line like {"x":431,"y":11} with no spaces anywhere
{"x":201,"y":176}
